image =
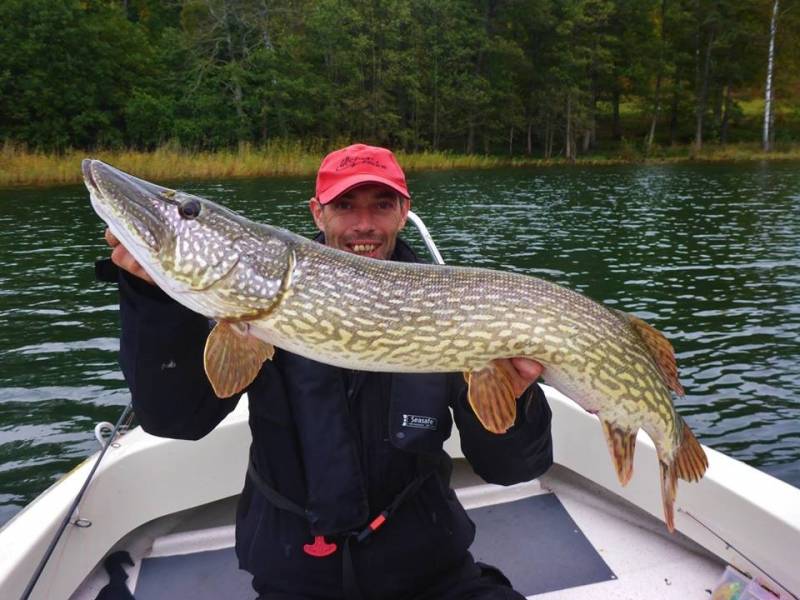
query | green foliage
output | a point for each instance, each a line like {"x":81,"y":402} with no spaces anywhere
{"x":69,"y":69}
{"x":481,"y":76}
{"x":148,"y":120}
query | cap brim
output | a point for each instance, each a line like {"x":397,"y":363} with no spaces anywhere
{"x":347,"y":184}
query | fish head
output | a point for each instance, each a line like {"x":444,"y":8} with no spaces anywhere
{"x":205,"y":256}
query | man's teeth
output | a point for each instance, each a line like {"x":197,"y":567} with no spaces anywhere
{"x":364,"y":247}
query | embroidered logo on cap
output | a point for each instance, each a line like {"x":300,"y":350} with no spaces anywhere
{"x":420,"y":422}
{"x":349,"y":162}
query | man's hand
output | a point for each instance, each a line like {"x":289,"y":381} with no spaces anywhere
{"x":522,"y":372}
{"x":124,"y":259}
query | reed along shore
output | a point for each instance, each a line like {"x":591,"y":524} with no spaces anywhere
{"x":20,"y":167}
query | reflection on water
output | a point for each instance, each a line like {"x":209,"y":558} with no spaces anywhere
{"x":708,"y":254}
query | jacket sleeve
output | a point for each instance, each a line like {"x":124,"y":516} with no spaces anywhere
{"x":161,"y":355}
{"x":523,"y":453}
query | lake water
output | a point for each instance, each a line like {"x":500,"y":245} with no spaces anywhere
{"x":709,"y":254}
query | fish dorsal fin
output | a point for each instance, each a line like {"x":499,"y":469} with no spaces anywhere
{"x":491,"y":396}
{"x":233,"y":357}
{"x":660,"y":350}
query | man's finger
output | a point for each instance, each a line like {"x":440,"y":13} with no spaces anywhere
{"x":519,"y":380}
{"x":125,"y":260}
{"x":111,"y":239}
{"x":527,"y":368}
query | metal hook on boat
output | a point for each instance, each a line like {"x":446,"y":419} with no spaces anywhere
{"x":103,"y":432}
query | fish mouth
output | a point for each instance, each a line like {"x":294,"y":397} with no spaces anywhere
{"x":132,"y":208}
{"x":86,"y":169}
{"x":162,"y":229}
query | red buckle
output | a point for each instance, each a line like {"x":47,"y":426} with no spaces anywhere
{"x":373,"y":526}
{"x":377,"y":521}
{"x":320,"y":548}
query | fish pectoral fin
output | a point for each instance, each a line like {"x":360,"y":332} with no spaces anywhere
{"x":621,"y":445}
{"x":659,"y":348}
{"x":491,"y":396}
{"x":233,"y":357}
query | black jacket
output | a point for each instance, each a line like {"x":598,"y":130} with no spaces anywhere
{"x":342,"y":444}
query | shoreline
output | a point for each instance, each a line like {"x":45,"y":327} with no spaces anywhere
{"x":20,"y":168}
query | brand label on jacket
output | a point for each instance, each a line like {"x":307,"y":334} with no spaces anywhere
{"x":420,"y":422}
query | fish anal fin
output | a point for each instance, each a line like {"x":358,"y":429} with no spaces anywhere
{"x":690,"y":461}
{"x":659,"y":348}
{"x":621,"y":445}
{"x":491,"y":396}
{"x":233,"y":358}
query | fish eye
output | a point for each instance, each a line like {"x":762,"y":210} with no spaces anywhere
{"x":189,"y":209}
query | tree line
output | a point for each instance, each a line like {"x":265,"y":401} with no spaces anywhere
{"x":476,"y":76}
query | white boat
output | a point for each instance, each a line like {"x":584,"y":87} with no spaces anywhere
{"x":574,"y":533}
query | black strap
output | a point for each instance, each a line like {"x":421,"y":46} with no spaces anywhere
{"x":349,"y":581}
{"x":271,"y":494}
{"x":427,"y":467}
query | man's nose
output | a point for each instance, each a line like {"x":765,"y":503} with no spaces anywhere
{"x":364,"y":220}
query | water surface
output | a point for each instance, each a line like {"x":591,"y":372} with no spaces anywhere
{"x":709,"y":254}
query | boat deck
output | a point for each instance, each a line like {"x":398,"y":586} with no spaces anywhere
{"x":555,"y":538}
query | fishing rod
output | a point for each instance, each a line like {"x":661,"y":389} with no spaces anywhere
{"x":739,"y":552}
{"x":42,"y":563}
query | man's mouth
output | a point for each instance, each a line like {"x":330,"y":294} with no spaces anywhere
{"x":364,"y":248}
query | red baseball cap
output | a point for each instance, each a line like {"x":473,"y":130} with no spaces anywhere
{"x":344,"y":169}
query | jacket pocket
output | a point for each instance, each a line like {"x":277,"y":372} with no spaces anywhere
{"x":419,"y":414}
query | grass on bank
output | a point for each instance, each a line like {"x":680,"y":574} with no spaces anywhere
{"x":19,"y":166}
{"x":22,"y":167}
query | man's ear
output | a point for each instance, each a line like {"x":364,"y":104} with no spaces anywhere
{"x":405,"y":206}
{"x":316,"y":212}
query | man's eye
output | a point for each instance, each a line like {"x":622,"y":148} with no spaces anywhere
{"x":385,"y":205}
{"x":342,"y":206}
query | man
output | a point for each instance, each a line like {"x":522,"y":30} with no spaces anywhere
{"x":347,"y":494}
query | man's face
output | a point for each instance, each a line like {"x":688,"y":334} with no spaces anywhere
{"x":364,"y":221}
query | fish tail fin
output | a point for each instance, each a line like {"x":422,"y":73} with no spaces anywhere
{"x":669,"y":485}
{"x":689,"y":463}
{"x":690,"y":459}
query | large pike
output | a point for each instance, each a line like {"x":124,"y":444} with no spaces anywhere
{"x":267,"y":287}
